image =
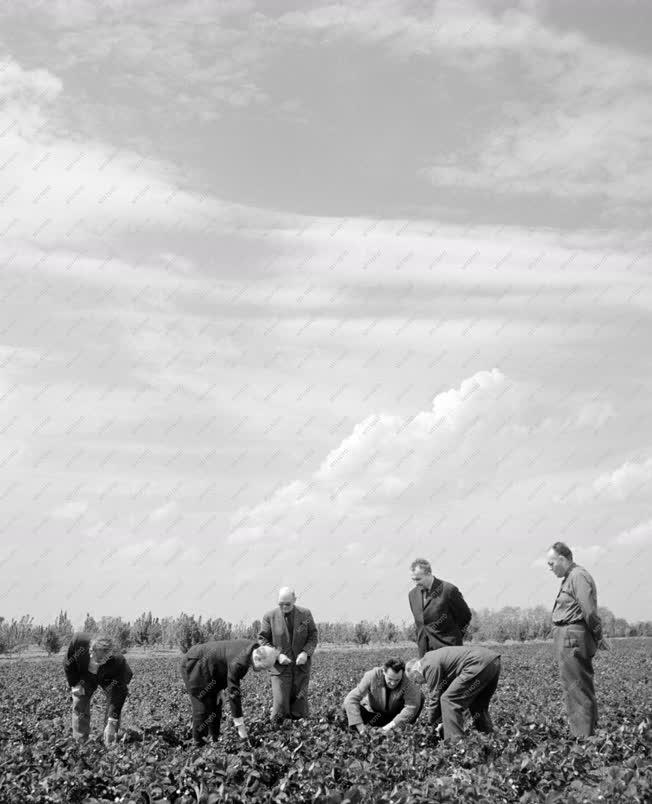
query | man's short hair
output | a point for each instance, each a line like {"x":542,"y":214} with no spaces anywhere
{"x":412,"y":666}
{"x":423,"y":564}
{"x":562,"y":550}
{"x":397,"y":665}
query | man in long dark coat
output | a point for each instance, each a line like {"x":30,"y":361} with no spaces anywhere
{"x":440,"y":612}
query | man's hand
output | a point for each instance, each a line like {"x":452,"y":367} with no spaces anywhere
{"x":302,"y":658}
{"x":603,"y":644}
{"x":283,"y":659}
{"x":439,"y":731}
{"x":111,"y":731}
{"x":361,"y":728}
{"x":78,"y":691}
{"x":243,"y":734}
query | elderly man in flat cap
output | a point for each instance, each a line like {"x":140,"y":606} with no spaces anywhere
{"x":292,"y":630}
{"x":93,"y":662}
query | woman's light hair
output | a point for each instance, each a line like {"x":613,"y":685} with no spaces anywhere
{"x":102,"y":645}
{"x":264,"y":657}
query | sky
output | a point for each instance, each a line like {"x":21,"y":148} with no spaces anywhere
{"x":294,"y":293}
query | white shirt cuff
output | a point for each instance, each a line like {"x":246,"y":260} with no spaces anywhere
{"x":238,"y":721}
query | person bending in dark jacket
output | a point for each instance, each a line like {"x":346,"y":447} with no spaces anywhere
{"x":457,"y":678}
{"x":93,"y":662}
{"x":210,"y":669}
{"x":440,"y":612}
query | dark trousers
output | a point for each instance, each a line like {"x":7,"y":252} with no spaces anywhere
{"x":575,"y":649}
{"x":206,"y":708}
{"x":472,"y":692}
{"x":206,"y":716}
{"x":116,"y":695}
{"x":290,"y":694}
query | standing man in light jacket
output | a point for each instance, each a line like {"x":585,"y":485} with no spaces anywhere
{"x":440,"y":612}
{"x":291,"y":630}
{"x":212,"y":667}
{"x":93,"y":662}
{"x":577,"y":636}
{"x":458,"y":678}
{"x":385,"y":697}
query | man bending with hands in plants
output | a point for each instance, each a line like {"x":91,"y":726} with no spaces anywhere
{"x":93,"y":662}
{"x":385,"y":697}
{"x":292,"y":630}
{"x":458,"y":678}
{"x":213,"y":667}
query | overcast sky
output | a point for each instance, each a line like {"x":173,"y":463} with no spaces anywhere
{"x":292,"y":293}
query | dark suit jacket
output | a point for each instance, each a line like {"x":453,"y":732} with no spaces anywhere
{"x":211,"y":667}
{"x":441,"y":667}
{"x":113,"y":676}
{"x":274,"y":632}
{"x":442,"y":620}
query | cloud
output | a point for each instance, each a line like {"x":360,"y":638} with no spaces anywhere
{"x":152,"y":551}
{"x":70,"y":510}
{"x":61,"y":188}
{"x":629,"y":480}
{"x":164,"y":511}
{"x":640,"y":534}
{"x":573,"y":124}
{"x":591,"y":554}
{"x":389,"y":459}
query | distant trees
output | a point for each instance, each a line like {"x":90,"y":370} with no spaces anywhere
{"x":510,"y":622}
{"x":186,"y":630}
{"x":362,"y":632}
{"x":16,"y":635}
{"x":189,"y":632}
{"x":51,"y":640}
{"x":118,"y":630}
{"x":146,"y":630}
{"x":89,"y":624}
{"x":63,"y":626}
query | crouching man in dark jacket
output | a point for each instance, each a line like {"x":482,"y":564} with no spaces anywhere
{"x":93,"y":662}
{"x":458,"y":678}
{"x":213,"y":667}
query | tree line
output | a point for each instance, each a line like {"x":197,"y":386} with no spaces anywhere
{"x":146,"y":631}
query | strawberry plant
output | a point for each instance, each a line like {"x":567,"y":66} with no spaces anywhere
{"x":530,"y":758}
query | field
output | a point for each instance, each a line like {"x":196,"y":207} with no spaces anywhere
{"x":530,"y":758}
